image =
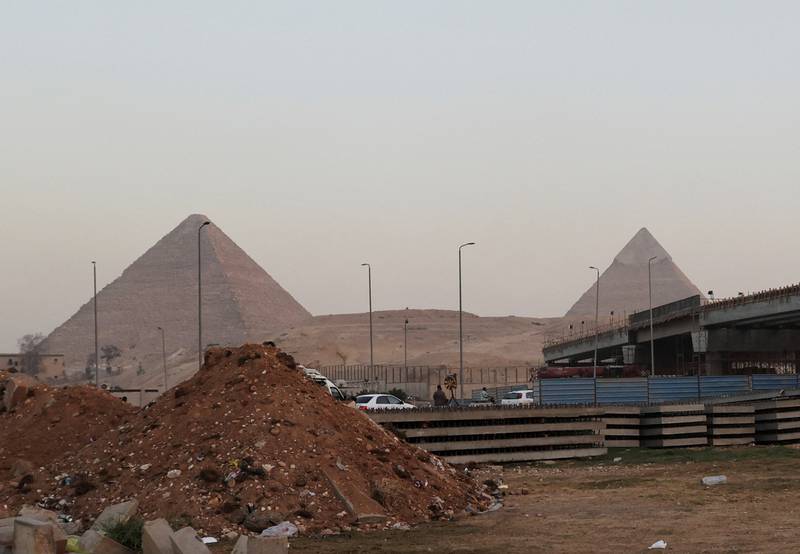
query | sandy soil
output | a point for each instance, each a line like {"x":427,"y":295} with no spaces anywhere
{"x":601,"y":506}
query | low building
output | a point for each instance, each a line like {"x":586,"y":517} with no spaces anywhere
{"x":51,"y":366}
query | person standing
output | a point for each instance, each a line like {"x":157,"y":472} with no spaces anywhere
{"x":439,"y":397}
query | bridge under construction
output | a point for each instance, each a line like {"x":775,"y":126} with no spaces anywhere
{"x":754,"y":333}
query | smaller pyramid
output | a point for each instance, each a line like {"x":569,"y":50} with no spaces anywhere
{"x":624,"y":285}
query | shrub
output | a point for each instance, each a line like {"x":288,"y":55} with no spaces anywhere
{"x":127,"y":533}
{"x":399,"y":393}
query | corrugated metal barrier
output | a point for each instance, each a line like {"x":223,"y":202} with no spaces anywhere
{"x":774,"y":382}
{"x":653,"y":390}
{"x":724,"y":385}
{"x":567,"y":391}
{"x":670,"y":389}
{"x":622,"y":391}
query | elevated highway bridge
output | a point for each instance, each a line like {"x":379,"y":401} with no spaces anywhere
{"x":755,"y":333}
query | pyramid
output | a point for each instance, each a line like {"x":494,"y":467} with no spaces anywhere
{"x":624,"y":285}
{"x":241,"y":302}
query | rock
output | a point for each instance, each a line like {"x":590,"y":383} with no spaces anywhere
{"x":283,"y":529}
{"x":33,"y":536}
{"x":400,"y":526}
{"x":173,"y":473}
{"x":156,"y":537}
{"x":18,"y":387}
{"x":401,"y":472}
{"x":261,"y":545}
{"x":258,"y":521}
{"x":186,"y":541}
{"x":116,"y":513}
{"x":21,"y":468}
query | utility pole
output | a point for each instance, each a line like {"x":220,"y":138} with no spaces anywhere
{"x":200,"y":299}
{"x":650,"y":294}
{"x":96,"y":344}
{"x":461,"y":325}
{"x":405,"y":346}
{"x":596,"y":317}
{"x":369,"y":288}
{"x":164,"y":356}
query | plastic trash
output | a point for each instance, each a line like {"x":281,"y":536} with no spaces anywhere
{"x":283,"y":529}
{"x":617,"y":460}
{"x":658,"y":545}
{"x":209,"y":540}
{"x":714,"y":480}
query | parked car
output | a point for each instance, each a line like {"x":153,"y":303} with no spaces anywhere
{"x":381,"y":402}
{"x":518,"y":398}
{"x":332,"y":389}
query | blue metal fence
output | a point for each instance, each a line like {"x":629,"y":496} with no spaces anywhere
{"x":774,"y":382}
{"x":647,"y":390}
{"x":567,"y":391}
{"x":622,"y":391}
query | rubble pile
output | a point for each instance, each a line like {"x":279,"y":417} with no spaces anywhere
{"x":249,"y":444}
{"x":39,"y":424}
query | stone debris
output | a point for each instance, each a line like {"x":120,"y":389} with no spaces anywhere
{"x":186,"y":541}
{"x":156,"y":537}
{"x":206,"y":454}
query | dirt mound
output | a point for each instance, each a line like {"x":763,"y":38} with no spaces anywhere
{"x":250,"y":442}
{"x":40,"y":424}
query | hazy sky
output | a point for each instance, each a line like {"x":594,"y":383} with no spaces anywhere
{"x":319,"y":135}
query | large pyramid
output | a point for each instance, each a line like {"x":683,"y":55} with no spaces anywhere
{"x":241,"y":302}
{"x":623,"y":286}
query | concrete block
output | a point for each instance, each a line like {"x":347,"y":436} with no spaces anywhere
{"x":116,"y":513}
{"x":39,"y":514}
{"x":6,"y":532}
{"x":186,"y":541}
{"x":93,"y":542}
{"x":156,"y":537}
{"x":261,"y":545}
{"x":33,"y":537}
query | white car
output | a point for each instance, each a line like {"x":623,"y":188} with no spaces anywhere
{"x":328,"y":385}
{"x":381,"y":402}
{"x":518,"y":398}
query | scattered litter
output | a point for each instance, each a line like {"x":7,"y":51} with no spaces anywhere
{"x":714,"y":480}
{"x":209,"y":540}
{"x":283,"y":529}
{"x":617,"y":460}
{"x":658,"y":545}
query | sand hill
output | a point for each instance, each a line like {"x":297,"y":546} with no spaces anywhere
{"x":241,"y":303}
{"x":432,"y":339}
{"x":624,"y":287}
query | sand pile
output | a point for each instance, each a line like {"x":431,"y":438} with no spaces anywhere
{"x":250,"y":442}
{"x":39,"y":424}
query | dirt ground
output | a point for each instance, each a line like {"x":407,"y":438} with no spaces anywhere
{"x":602,"y":506}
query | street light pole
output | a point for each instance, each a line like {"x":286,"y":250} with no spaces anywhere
{"x":96,"y":345}
{"x":461,"y":325}
{"x":650,"y":295}
{"x":200,"y":300}
{"x":596,"y":317}
{"x":164,"y":356}
{"x":405,"y":346}
{"x":369,"y":285}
